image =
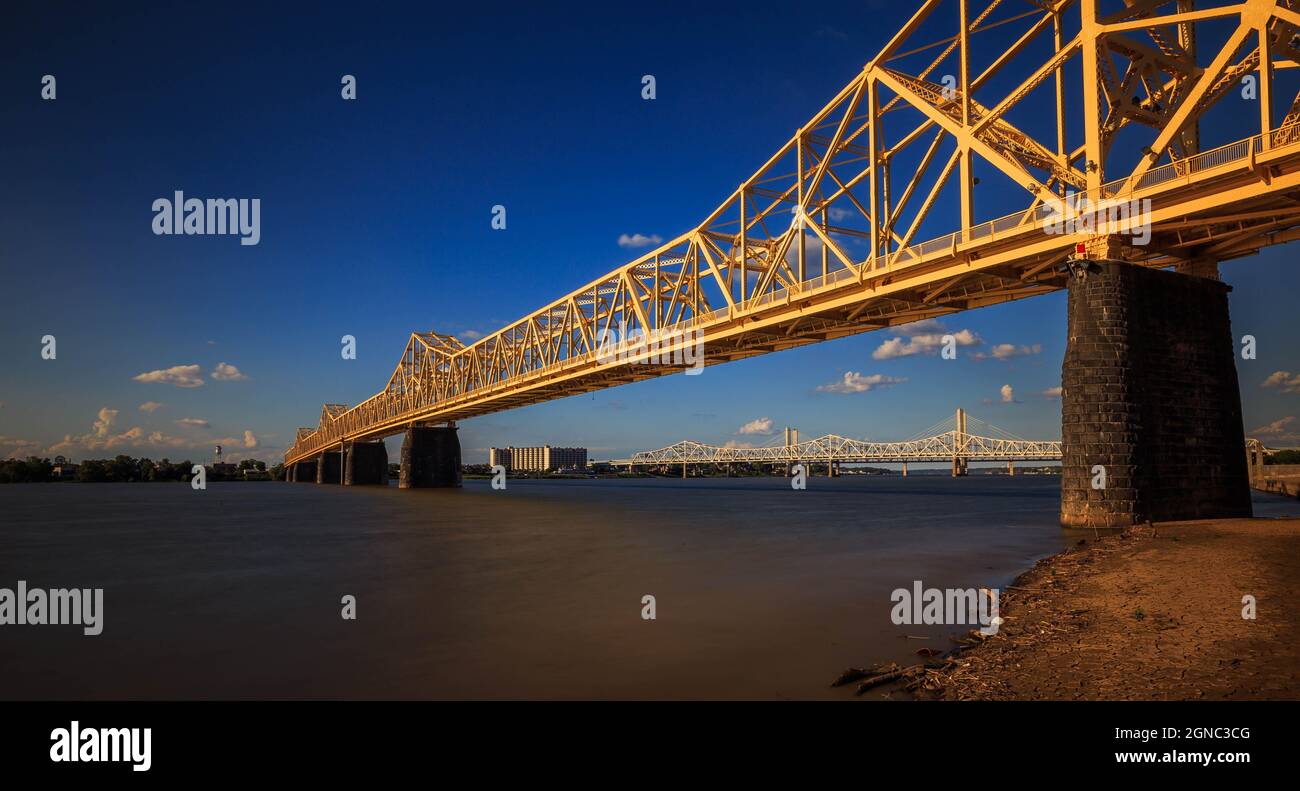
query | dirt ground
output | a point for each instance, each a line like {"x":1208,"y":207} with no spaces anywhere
{"x":1154,"y":613}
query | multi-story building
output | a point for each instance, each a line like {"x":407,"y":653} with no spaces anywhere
{"x":543,"y":458}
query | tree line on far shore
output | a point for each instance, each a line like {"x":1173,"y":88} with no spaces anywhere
{"x":123,"y":469}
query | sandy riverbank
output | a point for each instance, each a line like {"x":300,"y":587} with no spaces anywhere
{"x":1153,"y":613}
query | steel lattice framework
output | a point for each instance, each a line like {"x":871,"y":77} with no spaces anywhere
{"x":1104,"y":98}
{"x":946,"y":446}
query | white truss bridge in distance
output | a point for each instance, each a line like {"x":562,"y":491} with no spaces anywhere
{"x":949,"y":440}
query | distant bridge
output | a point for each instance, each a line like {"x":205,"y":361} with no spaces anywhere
{"x":1276,"y":478}
{"x":949,"y":440}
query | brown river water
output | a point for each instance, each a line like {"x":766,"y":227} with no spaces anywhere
{"x":533,"y":592}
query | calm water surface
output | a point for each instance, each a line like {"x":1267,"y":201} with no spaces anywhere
{"x":534,"y":592}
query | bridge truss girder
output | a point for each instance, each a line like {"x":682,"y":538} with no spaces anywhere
{"x":820,"y":242}
{"x":833,"y":448}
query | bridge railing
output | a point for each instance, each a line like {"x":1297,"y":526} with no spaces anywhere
{"x":1208,"y":160}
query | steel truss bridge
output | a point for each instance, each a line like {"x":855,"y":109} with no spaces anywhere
{"x":867,"y":216}
{"x":947,"y":441}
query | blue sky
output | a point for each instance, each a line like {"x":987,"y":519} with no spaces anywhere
{"x":376,"y":220}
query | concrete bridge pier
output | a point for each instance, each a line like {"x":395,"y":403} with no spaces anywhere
{"x":1255,"y":468}
{"x":959,"y":463}
{"x":304,"y":472}
{"x":430,"y":458}
{"x":1151,"y":409}
{"x":329,"y":467}
{"x":366,"y":464}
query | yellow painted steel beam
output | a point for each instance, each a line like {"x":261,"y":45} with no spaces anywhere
{"x":743,"y":283}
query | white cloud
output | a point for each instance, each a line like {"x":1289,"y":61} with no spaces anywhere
{"x":150,"y":407}
{"x":762,"y":425}
{"x":179,"y":375}
{"x":731,"y":443}
{"x":102,"y":437}
{"x":922,"y":344}
{"x":854,"y":382}
{"x":249,"y":441}
{"x":158,"y":439}
{"x":225,"y":372}
{"x":922,"y":327}
{"x":639,"y":240}
{"x":1277,"y":428}
{"x":104,"y":423}
{"x":1008,"y":395}
{"x":812,"y":250}
{"x":470,"y":335}
{"x":14,"y":448}
{"x":1052,"y":392}
{"x":1289,"y":382}
{"x":1007,"y":351}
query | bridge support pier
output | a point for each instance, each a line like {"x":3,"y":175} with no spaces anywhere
{"x":366,"y":464}
{"x":904,"y":469}
{"x":1255,"y":463}
{"x":1011,"y":468}
{"x":329,"y":467}
{"x":304,"y":472}
{"x":430,"y":458}
{"x":959,"y":467}
{"x":1151,"y":410}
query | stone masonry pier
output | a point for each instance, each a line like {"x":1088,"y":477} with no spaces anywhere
{"x":430,"y":458}
{"x":1150,"y":400}
{"x":366,"y":464}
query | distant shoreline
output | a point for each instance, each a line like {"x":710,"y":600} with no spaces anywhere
{"x":128,"y":469}
{"x":474,"y":476}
